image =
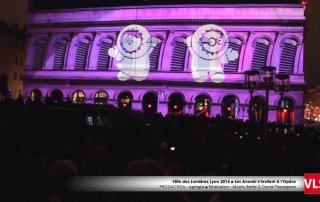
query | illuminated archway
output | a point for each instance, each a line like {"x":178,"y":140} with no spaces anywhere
{"x":101,"y":98}
{"x":175,"y":104}
{"x":78,"y":97}
{"x":202,"y":105}
{"x":230,"y":107}
{"x":256,"y":112}
{"x":125,"y":100}
{"x":35,"y":95}
{"x":285,"y":112}
{"x":149,"y":102}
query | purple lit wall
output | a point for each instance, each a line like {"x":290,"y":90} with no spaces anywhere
{"x":73,"y":51}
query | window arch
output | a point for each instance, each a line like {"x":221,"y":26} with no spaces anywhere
{"x":59,"y":53}
{"x":82,"y":53}
{"x":78,"y":97}
{"x":232,"y":66}
{"x":38,"y":55}
{"x":103,"y":57}
{"x":178,"y":54}
{"x":154,"y":56}
{"x":288,"y":55}
{"x":260,"y":54}
{"x":101,"y":98}
{"x":35,"y":95}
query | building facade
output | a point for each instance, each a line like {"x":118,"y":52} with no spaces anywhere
{"x":170,"y":59}
{"x":12,"y":56}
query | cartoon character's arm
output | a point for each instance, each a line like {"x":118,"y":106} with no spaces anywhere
{"x":115,"y":53}
{"x":152,"y":43}
{"x":188,"y":42}
{"x":230,"y":55}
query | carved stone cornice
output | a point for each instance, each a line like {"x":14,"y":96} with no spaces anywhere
{"x":236,"y":22}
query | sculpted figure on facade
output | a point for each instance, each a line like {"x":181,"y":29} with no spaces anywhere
{"x":209,"y":49}
{"x":134,"y":45}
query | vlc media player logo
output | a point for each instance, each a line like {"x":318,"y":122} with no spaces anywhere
{"x":312,"y":183}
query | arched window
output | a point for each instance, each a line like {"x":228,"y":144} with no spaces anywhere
{"x":149,"y":102}
{"x":175,"y":104}
{"x":35,"y":95}
{"x":78,"y":97}
{"x":154,"y":56}
{"x":81,"y":54}
{"x":260,"y":54}
{"x":230,"y":107}
{"x":178,"y":54}
{"x":232,"y":66}
{"x":103,"y":57}
{"x":256,"y":108}
{"x":101,"y":98}
{"x":38,"y":55}
{"x":59,"y":53}
{"x":202,"y":105}
{"x":285,"y":111}
{"x":57,"y":96}
{"x":125,"y":100}
{"x":288,"y":55}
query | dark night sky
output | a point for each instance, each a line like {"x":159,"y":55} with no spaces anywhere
{"x":54,"y":4}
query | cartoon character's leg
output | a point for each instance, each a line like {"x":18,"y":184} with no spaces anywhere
{"x":216,"y":72}
{"x":141,"y":70}
{"x":218,"y":77}
{"x":122,"y":76}
{"x":200,"y":69}
{"x":200,"y":76}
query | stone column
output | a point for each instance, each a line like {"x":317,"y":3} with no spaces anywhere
{"x":30,"y":50}
{"x":215,"y":109}
{"x":276,"y":52}
{"x":136,"y":104}
{"x":93,"y":52}
{"x":71,"y":52}
{"x":248,"y":52}
{"x":163,"y":108}
{"x":167,"y":52}
{"x":48,"y":65}
{"x":298,"y":62}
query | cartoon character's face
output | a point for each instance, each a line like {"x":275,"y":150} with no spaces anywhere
{"x":213,"y":41}
{"x":131,"y":43}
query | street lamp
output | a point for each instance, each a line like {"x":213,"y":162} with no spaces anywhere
{"x":282,"y":84}
{"x":160,"y":93}
{"x":267,"y":73}
{"x":251,"y":82}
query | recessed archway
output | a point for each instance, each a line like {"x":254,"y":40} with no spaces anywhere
{"x":202,"y":105}
{"x":101,"y":98}
{"x":175,"y":103}
{"x":285,"y":112}
{"x":35,"y":95}
{"x":256,"y":110}
{"x":230,"y":107}
{"x":149,"y":102}
{"x":78,"y":97}
{"x":125,"y":100}
{"x":57,"y":96}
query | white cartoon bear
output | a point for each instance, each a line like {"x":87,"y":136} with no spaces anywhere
{"x":209,"y":49}
{"x":133,"y":48}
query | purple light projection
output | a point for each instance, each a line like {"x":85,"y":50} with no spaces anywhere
{"x":164,"y":51}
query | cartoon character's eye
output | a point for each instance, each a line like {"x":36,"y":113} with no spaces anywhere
{"x":219,"y":40}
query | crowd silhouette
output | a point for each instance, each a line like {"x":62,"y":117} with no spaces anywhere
{"x":44,"y":143}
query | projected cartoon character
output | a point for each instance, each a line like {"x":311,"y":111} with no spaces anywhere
{"x":132,"y":50}
{"x":209,"y":49}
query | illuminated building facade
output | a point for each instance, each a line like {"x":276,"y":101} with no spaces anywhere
{"x":131,"y":56}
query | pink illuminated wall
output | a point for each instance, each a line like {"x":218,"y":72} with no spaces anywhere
{"x":99,"y":50}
